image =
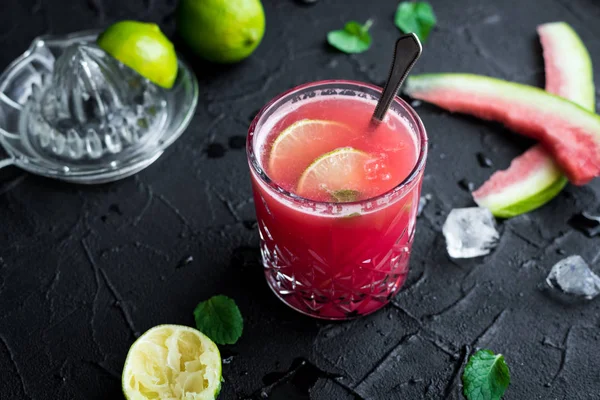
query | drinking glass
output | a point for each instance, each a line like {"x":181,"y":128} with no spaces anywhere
{"x":330,"y":260}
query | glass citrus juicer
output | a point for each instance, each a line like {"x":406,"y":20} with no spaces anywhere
{"x":70,"y":111}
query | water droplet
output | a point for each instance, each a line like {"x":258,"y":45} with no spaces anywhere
{"x":253,"y":115}
{"x":423,"y":201}
{"x":484,"y":161}
{"x":586,"y":222}
{"x":114,"y":208}
{"x":215,"y":150}
{"x":228,"y":360}
{"x":466,"y":185}
{"x":415,"y":103}
{"x":237,"y":142}
{"x":250,"y":224}
{"x":185,"y":261}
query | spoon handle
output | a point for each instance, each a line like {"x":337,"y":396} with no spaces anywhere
{"x":406,"y":52}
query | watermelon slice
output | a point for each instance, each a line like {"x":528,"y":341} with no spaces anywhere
{"x":568,"y":64}
{"x":568,"y":131}
{"x":534,"y":178}
{"x":530,"y":181}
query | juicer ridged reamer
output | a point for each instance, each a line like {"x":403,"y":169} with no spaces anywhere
{"x":70,"y":111}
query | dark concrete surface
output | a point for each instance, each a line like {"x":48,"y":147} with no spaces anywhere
{"x":84,"y":270}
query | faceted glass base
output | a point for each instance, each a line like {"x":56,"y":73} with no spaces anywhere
{"x":346,"y":293}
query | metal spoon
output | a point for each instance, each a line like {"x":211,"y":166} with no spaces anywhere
{"x":406,"y":53}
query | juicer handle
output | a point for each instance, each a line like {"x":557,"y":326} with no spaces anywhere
{"x":5,"y":161}
{"x":9,"y":110}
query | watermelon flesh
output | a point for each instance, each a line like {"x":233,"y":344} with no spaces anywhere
{"x":568,"y":131}
{"x":534,"y":178}
{"x":568,"y":64}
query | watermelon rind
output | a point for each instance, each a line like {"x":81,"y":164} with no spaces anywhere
{"x":525,"y":109}
{"x":526,"y":204}
{"x":569,"y":75}
{"x":569,"y":71}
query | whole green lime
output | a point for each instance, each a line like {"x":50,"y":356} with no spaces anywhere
{"x":221,"y":31}
{"x":142,"y":47}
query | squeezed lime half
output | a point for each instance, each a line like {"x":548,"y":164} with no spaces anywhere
{"x":172,"y":362}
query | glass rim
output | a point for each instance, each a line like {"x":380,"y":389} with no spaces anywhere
{"x":271,"y":184}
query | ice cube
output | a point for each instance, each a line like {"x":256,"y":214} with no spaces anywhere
{"x":423,"y":201}
{"x":470,"y":232}
{"x":587,"y":222}
{"x":573,"y":276}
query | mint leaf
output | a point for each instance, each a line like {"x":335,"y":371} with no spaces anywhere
{"x":345,"y":195}
{"x":354,"y":38}
{"x":417,"y":17}
{"x":220,"y":319}
{"x":486,"y":376}
{"x":353,"y":215}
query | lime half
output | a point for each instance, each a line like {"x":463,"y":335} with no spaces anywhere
{"x":172,"y":362}
{"x":341,"y":173}
{"x":143,"y":48}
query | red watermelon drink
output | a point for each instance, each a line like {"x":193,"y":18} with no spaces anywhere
{"x":336,"y":198}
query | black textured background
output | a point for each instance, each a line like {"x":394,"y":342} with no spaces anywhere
{"x":83,"y":270}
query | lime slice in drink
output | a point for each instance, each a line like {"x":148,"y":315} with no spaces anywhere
{"x":340,"y":173}
{"x":172,"y":362}
{"x":142,"y":47}
{"x":300,"y":143}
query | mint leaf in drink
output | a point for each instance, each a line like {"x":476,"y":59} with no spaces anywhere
{"x":354,"y":38}
{"x":345,"y":195}
{"x":353,"y":215}
{"x":417,"y":17}
{"x":220,"y":319}
{"x":486,"y":376}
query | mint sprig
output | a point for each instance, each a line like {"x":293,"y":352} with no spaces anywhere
{"x":220,"y":319}
{"x":354,"y":38}
{"x":417,"y":17}
{"x":486,"y":376}
{"x":345,"y":195}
